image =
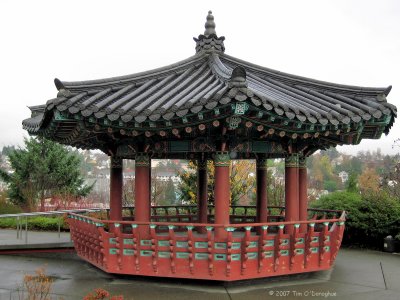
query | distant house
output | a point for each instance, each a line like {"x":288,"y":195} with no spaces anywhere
{"x":166,"y":175}
{"x":344,"y":176}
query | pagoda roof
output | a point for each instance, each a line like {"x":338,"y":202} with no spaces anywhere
{"x":206,"y":82}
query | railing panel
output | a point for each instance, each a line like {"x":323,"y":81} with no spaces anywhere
{"x":248,"y":250}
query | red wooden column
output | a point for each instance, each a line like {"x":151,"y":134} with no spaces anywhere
{"x":116,"y":182}
{"x":202,"y":195}
{"x":303,"y":198}
{"x":142,"y":192}
{"x":222,"y":191}
{"x":262,"y":191}
{"x":292,"y":189}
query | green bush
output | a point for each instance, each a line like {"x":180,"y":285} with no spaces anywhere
{"x":8,"y":223}
{"x":36,"y":223}
{"x":45,"y":223}
{"x":8,"y":208}
{"x":369,"y":218}
{"x":330,"y":185}
{"x":380,"y":216}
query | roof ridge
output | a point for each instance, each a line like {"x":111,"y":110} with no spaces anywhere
{"x":307,"y":80}
{"x":96,"y":83}
{"x":219,"y":68}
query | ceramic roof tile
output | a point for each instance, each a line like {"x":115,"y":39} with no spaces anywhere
{"x":208,"y":79}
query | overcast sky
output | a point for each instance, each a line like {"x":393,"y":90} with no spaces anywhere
{"x":348,"y":42}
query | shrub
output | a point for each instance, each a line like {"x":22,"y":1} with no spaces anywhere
{"x":8,"y":223}
{"x":45,"y":223}
{"x":369,"y":218}
{"x":101,"y":215}
{"x":36,"y":286}
{"x":8,"y":208}
{"x":37,"y":223}
{"x":380,"y":216}
{"x":101,"y":294}
{"x":330,"y":185}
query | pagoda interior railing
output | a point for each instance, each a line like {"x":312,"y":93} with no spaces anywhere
{"x":194,"y":250}
{"x":238,"y":213}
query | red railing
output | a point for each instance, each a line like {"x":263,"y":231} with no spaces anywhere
{"x":175,"y":249}
{"x":238,"y":213}
{"x":70,"y":206}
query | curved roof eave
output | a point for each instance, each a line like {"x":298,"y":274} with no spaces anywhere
{"x":306,"y":80}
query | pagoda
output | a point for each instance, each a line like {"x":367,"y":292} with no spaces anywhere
{"x":211,"y":106}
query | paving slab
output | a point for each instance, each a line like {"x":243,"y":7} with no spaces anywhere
{"x":359,"y":269}
{"x":4,"y":294}
{"x":33,"y":240}
{"x":377,"y":295}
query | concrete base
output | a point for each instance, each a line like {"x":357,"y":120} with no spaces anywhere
{"x":357,"y":274}
{"x":34,"y":241}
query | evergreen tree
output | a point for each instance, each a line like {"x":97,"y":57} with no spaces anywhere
{"x":242,"y":184}
{"x":276,"y":190}
{"x":352,"y":183}
{"x":170,"y":192}
{"x":43,"y":169}
{"x":7,"y":150}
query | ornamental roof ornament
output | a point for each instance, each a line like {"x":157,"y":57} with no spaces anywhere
{"x":209,"y":41}
{"x":209,"y":25}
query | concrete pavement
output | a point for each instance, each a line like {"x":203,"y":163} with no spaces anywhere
{"x":33,"y":240}
{"x":358,"y":274}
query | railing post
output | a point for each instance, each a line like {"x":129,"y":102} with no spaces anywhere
{"x":136,"y":246}
{"x":26,"y":230}
{"x":210,"y":249}
{"x":323,"y":243}
{"x":190,"y":248}
{"x":277,"y":249}
{"x":104,"y":245}
{"x":229,"y":230}
{"x":59,"y":228}
{"x":293,"y":242}
{"x":172,"y":248}
{"x":118,"y":244}
{"x":17,"y":225}
{"x":336,"y":239}
{"x":262,"y":243}
{"x":307,"y":245}
{"x":154,"y":247}
{"x":245,"y":245}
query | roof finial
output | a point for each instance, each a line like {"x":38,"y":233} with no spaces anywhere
{"x":210,"y":24}
{"x":209,"y":41}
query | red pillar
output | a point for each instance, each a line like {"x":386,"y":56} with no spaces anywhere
{"x":262,"y":191}
{"x":221,"y":191}
{"x":142,"y":192}
{"x":292,"y":189}
{"x":303,"y":198}
{"x":116,"y":182}
{"x":202,"y":195}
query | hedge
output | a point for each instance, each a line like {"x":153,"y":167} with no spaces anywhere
{"x":36,"y":223}
{"x":370,"y":218}
{"x":8,"y":208}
